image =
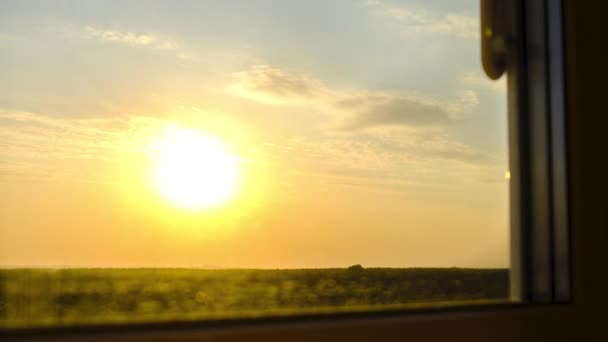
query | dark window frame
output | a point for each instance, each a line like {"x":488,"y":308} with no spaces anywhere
{"x":541,"y":277}
{"x":540,"y":269}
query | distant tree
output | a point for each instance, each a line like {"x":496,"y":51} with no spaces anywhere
{"x":355,"y":268}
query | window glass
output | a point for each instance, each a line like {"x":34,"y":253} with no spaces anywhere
{"x":168,"y":161}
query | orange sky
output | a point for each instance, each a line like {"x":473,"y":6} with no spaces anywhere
{"x":373,"y":139}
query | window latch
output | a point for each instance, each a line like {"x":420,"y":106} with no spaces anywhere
{"x":495,"y":31}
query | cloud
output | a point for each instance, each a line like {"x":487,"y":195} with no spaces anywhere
{"x":381,"y":109}
{"x":376,"y":139}
{"x":272,"y":85}
{"x":396,"y":110}
{"x":38,"y":146}
{"x":127,"y":38}
{"x":387,"y":158}
{"x":353,"y":109}
{"x":420,"y":21}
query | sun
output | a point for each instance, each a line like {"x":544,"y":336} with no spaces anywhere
{"x":194,"y":170}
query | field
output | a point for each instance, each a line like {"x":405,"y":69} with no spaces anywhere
{"x":45,"y":297}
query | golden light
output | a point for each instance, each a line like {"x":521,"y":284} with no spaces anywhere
{"x":193,"y":170}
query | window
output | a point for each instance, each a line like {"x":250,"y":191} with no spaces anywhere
{"x":215,"y":170}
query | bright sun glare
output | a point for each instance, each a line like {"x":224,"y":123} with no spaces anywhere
{"x":194,"y":170}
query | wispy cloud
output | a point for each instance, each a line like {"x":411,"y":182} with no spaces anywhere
{"x":376,"y":139}
{"x":35,"y":146}
{"x":412,"y":20}
{"x":38,"y":146}
{"x":272,"y":85}
{"x":128,"y":38}
{"x":356,"y":109}
{"x":384,"y":109}
{"x":387,"y":159}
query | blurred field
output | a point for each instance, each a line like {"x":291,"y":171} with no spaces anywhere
{"x":44,"y":297}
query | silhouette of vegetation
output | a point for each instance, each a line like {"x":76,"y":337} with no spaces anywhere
{"x":42,"y":297}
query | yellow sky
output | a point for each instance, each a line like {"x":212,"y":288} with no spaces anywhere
{"x":372,"y":139}
{"x":86,"y":199}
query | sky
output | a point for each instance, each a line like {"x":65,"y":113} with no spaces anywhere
{"x":365,"y":132}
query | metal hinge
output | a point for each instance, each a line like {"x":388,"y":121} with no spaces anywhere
{"x":496,"y":32}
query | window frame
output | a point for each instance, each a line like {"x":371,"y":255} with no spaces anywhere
{"x":541,"y":276}
{"x":540,"y":269}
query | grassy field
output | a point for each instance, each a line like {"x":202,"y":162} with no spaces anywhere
{"x":44,"y":297}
